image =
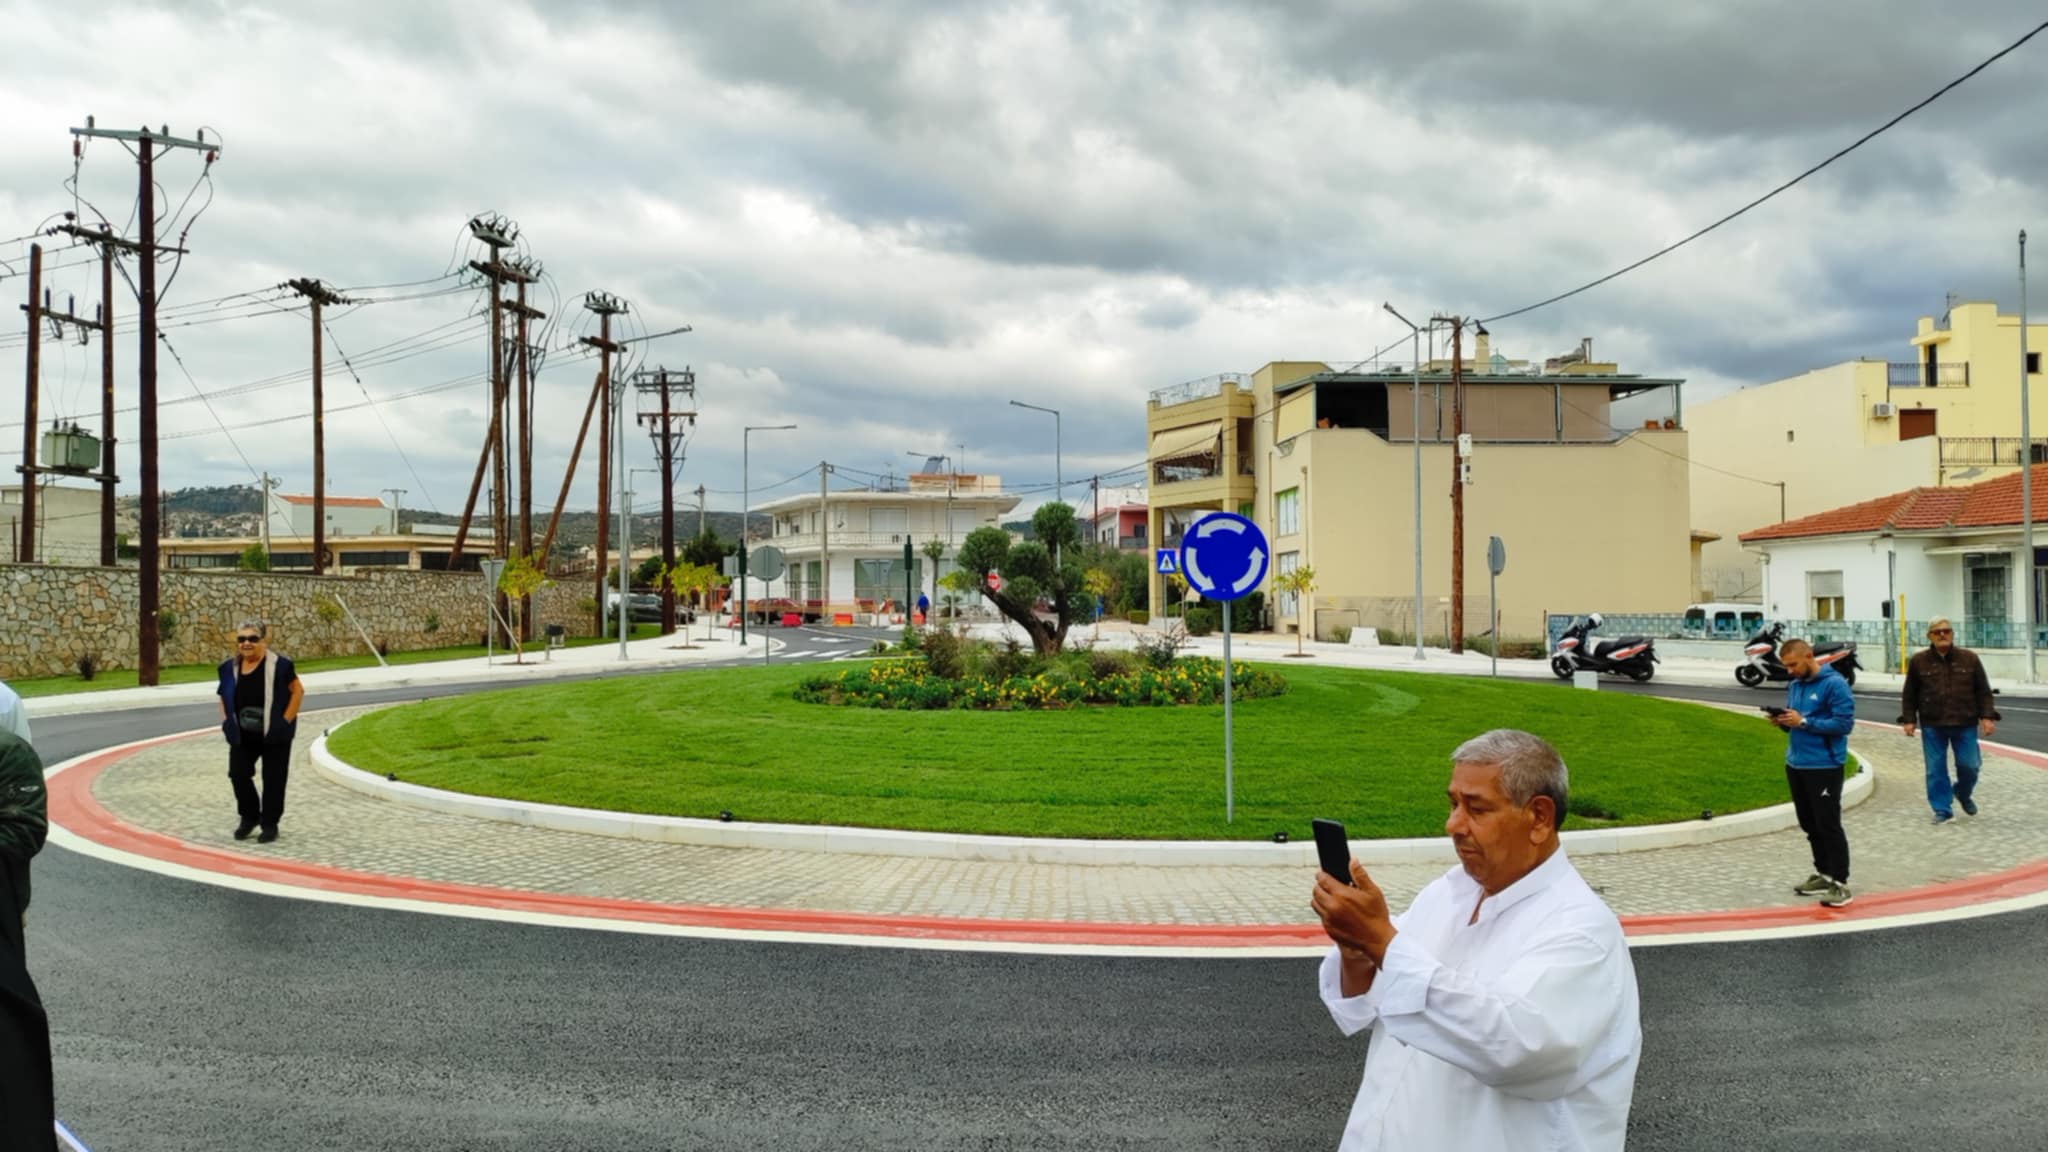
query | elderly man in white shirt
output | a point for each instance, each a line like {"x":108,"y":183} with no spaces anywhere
{"x":1502,"y":1003}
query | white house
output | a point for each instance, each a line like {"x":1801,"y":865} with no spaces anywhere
{"x":845,"y":550}
{"x":1956,"y":552}
{"x":346,"y":516}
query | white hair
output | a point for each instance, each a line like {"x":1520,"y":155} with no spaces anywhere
{"x":1529,"y":766}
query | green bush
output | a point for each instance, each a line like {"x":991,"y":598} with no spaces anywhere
{"x":942,"y":653}
{"x":1160,"y":649}
{"x":1341,"y":633}
{"x":1138,"y":616}
{"x":1202,"y":620}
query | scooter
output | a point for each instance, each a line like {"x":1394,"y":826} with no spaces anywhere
{"x":1577,"y":651}
{"x":1761,"y":661}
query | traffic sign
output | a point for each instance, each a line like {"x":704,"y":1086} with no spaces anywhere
{"x":1223,"y":556}
{"x":1496,"y":555}
{"x":1168,"y":562}
{"x":765,"y":562}
{"x":995,"y":581}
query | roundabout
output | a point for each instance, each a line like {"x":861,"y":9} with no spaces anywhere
{"x":356,"y":1021}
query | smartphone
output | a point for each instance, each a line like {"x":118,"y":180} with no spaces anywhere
{"x":1770,"y":710}
{"x":1333,"y":849}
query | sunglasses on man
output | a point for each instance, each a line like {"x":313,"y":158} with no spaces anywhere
{"x":1941,"y":631}
{"x":248,"y":639}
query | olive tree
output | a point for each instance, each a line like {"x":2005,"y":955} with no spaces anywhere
{"x":1031,"y":574}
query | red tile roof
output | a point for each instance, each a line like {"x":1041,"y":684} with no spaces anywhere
{"x":1991,"y":504}
{"x":339,"y":501}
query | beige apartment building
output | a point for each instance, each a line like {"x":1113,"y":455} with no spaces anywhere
{"x":1580,"y":469}
{"x":1946,"y":413}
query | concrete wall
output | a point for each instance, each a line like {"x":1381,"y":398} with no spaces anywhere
{"x":67,"y":524}
{"x":51,"y":615}
{"x":1806,"y":431}
{"x":1587,"y":528}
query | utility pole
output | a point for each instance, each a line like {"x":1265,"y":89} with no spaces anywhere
{"x":25,"y":544}
{"x":1095,"y":516}
{"x":394,"y":493}
{"x":2027,"y":468}
{"x":108,"y":244}
{"x":527,"y":271}
{"x":666,"y":429}
{"x":318,"y":295}
{"x":824,"y":544}
{"x":700,"y":509}
{"x":147,"y":143}
{"x":264,"y":531}
{"x":1460,"y":470}
{"x":497,"y":234}
{"x":606,"y":306}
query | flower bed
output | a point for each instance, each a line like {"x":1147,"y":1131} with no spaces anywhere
{"x":910,"y":684}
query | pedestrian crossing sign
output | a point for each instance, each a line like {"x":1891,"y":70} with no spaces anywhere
{"x":1169,"y":562}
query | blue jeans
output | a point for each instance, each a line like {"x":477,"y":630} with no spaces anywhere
{"x":1934,"y":745}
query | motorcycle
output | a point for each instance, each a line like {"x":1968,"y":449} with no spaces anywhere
{"x":1761,"y":661}
{"x":1577,"y":651}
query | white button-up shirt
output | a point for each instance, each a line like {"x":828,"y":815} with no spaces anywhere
{"x":1517,"y":1031}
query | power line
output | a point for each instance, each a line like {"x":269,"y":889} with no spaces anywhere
{"x":424,"y":491}
{"x":1860,"y":142}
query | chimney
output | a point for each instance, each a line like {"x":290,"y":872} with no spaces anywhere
{"x":1585,"y":349}
{"x":1482,"y":350}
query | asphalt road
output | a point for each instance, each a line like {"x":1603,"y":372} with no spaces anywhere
{"x":193,"y":1017}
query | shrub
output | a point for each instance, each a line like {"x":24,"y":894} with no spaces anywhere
{"x":909,"y":684}
{"x":942,"y":653}
{"x":1341,"y":633}
{"x":1202,"y":620}
{"x":88,"y":666}
{"x":1159,"y":649}
{"x":1104,"y":664}
{"x":166,"y":626}
{"x":1009,"y":661}
{"x":433,"y":623}
{"x":911,"y":638}
{"x":1139,"y":616}
{"x":327,"y":610}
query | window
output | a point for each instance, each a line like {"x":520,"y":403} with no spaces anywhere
{"x":1286,"y":604}
{"x":2033,"y":363}
{"x":1824,"y":589}
{"x":889,"y":524}
{"x":1287,"y":512}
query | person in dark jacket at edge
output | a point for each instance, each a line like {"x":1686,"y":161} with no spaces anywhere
{"x":1819,"y":714}
{"x":28,"y":1107}
{"x":260,"y":694}
{"x":1947,"y":700}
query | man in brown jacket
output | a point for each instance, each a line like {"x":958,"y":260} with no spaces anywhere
{"x":1948,"y":702}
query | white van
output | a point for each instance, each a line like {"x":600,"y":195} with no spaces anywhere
{"x":1723,"y":621}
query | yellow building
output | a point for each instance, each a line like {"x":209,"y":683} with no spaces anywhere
{"x":1947,"y":414}
{"x":1578,"y":468}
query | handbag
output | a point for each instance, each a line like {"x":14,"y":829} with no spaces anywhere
{"x":250,"y":718}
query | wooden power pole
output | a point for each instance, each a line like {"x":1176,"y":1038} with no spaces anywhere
{"x":318,"y":295}
{"x":25,"y":540}
{"x":667,"y":427}
{"x":606,"y":306}
{"x":147,"y":145}
{"x":108,"y":244}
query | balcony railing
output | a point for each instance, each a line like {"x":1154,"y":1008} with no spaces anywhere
{"x":1907,"y":375}
{"x":1201,"y":389}
{"x":1988,"y":451}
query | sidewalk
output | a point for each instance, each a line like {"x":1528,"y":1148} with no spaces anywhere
{"x":1266,"y":646}
{"x":654,"y":652}
{"x":168,"y":802}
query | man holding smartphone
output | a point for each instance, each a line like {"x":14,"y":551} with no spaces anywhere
{"x":1818,"y":716}
{"x":1503,"y":1002}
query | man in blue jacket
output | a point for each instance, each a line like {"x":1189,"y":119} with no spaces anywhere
{"x":1819,"y":712}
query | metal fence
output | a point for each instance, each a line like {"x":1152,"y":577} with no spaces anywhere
{"x":1989,"y":451}
{"x":1910,"y":375}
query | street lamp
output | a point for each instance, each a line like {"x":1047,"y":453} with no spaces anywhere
{"x":1415,"y":434}
{"x":746,"y":512}
{"x":1059,"y":485}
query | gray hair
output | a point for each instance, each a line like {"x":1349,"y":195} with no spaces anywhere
{"x":1529,"y":766}
{"x":261,"y":628}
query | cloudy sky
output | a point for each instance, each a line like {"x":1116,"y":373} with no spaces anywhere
{"x":884,"y":220}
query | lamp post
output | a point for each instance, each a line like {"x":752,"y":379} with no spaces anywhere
{"x":2026,"y":465}
{"x":1415,"y":434}
{"x":1058,"y":480}
{"x":746,"y":512}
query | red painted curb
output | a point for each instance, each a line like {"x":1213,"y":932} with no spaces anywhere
{"x":74,"y":807}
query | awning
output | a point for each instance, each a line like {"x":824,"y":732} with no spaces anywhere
{"x":1189,"y":440}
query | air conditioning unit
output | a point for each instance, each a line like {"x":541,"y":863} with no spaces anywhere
{"x":1883,"y":411}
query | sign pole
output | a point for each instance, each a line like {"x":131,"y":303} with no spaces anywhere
{"x":1229,"y":768}
{"x":1493,"y":609}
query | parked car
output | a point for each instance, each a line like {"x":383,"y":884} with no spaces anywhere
{"x":645,"y":608}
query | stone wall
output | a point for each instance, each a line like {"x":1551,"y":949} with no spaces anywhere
{"x":51,"y":615}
